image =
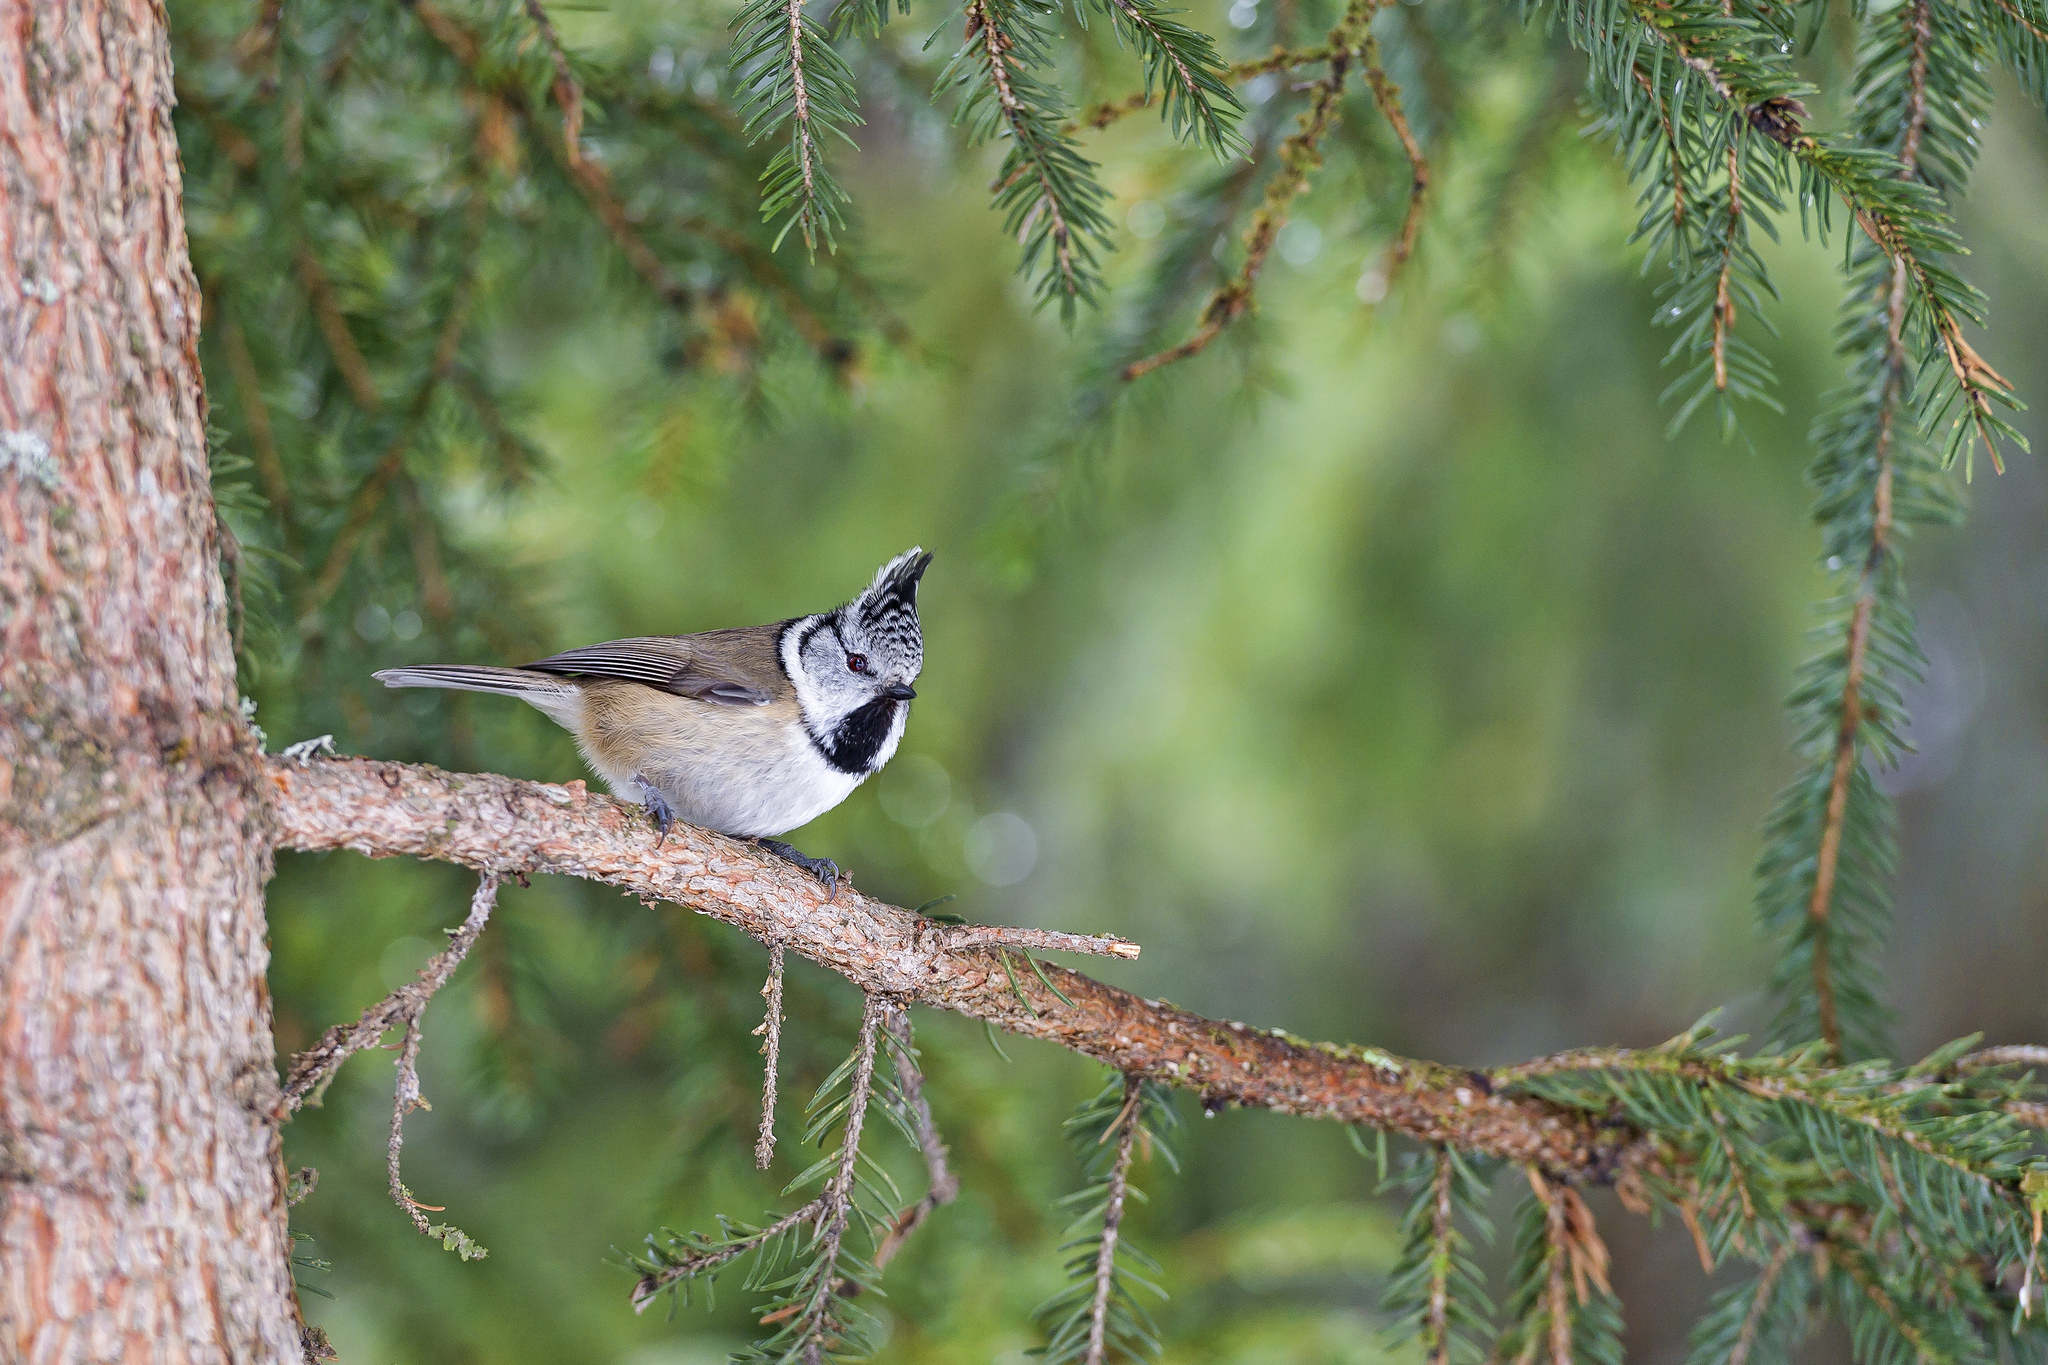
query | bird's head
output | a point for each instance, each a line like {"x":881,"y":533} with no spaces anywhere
{"x":854,"y":668}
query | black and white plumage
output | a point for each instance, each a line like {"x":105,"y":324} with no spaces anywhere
{"x":749,"y":732}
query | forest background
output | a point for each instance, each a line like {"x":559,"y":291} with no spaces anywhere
{"x":1398,"y":680}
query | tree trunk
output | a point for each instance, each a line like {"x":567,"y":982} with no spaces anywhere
{"x":141,"y":1214}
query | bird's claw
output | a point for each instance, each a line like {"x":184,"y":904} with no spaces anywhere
{"x":658,"y":810}
{"x":824,"y":869}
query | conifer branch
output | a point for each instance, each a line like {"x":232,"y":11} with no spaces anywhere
{"x":484,"y":820}
{"x":341,"y":343}
{"x":256,"y":418}
{"x":817,"y":1327}
{"x":1299,"y":158}
{"x":1097,"y":1316}
{"x":1436,"y":1292}
{"x":1126,"y":1132}
{"x":942,"y":1186}
{"x":568,"y":93}
{"x":1279,"y":59}
{"x":369,"y":495}
{"x":1904,"y":226}
{"x":312,"y":1070}
{"x":1191,"y":77}
{"x":1724,"y":305}
{"x":1387,"y":96}
{"x":790,"y":75}
{"x":1759,"y":1305}
{"x":1048,"y":192}
{"x":688,"y":1259}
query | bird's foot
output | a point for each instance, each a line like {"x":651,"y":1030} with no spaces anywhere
{"x":657,"y":808}
{"x":824,"y":869}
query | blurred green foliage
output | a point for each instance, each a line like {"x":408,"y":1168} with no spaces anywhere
{"x":1385,"y":671}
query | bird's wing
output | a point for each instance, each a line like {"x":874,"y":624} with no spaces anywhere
{"x":724,"y":666}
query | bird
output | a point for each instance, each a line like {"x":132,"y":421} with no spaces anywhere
{"x":749,"y":732}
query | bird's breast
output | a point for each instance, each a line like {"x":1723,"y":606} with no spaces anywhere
{"x":749,"y":771}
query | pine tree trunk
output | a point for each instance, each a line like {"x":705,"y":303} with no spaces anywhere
{"x":141,"y":1216}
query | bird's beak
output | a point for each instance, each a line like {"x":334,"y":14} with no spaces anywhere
{"x":899,"y":692}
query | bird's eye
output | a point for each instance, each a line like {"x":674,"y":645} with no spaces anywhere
{"x":857,"y":662}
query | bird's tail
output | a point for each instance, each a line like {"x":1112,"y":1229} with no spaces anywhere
{"x":557,"y":698}
{"x":511,"y":682}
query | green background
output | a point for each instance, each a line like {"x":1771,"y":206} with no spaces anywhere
{"x":1386,"y":672}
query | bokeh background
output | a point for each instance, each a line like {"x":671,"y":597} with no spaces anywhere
{"x":1387,"y":672}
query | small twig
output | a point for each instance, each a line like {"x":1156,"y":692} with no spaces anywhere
{"x":1112,"y":1221}
{"x":943,"y":1186}
{"x":1557,"y":1292}
{"x":1758,"y":1306}
{"x":771,"y":1047}
{"x":1436,"y":1332}
{"x":1387,"y":96}
{"x":568,"y":94}
{"x":341,"y":343}
{"x":1724,"y":304}
{"x":1671,"y":140}
{"x":1045,"y":940}
{"x":1298,"y":158}
{"x":838,"y":1196}
{"x":650,"y":1287}
{"x":311,"y":1070}
{"x":405,"y":1098}
{"x":1849,"y":728}
{"x":1279,"y":59}
{"x":2021,"y":1054}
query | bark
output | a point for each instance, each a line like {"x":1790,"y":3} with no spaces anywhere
{"x":141,"y":1209}
{"x":503,"y":825}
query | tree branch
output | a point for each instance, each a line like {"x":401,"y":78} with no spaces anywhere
{"x":500,"y":824}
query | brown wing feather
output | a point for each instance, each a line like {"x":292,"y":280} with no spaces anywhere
{"x":732,"y":667}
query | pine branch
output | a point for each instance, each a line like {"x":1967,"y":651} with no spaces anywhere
{"x":311,"y":1071}
{"x":1758,"y":1320}
{"x":1196,"y":100}
{"x":1560,"y":1306}
{"x":1387,"y":96}
{"x":1279,"y":59}
{"x":1829,"y":845}
{"x":1097,"y":1317}
{"x":1300,"y":156}
{"x":790,"y":76}
{"x":1436,"y":1292}
{"x":1048,"y":192}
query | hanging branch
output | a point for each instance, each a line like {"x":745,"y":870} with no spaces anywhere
{"x":770,"y":1032}
{"x":1436,"y":1293}
{"x":790,"y":76}
{"x":1126,"y":1131}
{"x":1052,"y":202}
{"x":1097,"y":1315}
{"x":369,"y":495}
{"x":1850,"y":726}
{"x":1902,"y":218}
{"x":311,"y":1071}
{"x":942,"y":1186}
{"x":1299,"y":157}
{"x":1387,"y":96}
{"x":1198,"y":103}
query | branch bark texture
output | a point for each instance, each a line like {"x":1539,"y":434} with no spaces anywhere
{"x":505,"y":825}
{"x":142,"y":1209}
